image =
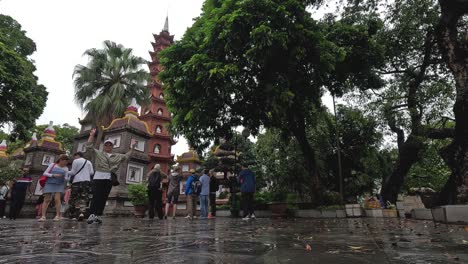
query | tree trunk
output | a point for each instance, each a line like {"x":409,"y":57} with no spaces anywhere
{"x":408,"y":155}
{"x":310,"y":159}
{"x":455,"y":53}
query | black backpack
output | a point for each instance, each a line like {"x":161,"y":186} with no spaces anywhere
{"x":196,"y":186}
{"x":154,"y":180}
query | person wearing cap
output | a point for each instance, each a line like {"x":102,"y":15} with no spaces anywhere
{"x":81,"y":172}
{"x":155,"y":177}
{"x":105,"y":163}
{"x":173,"y":192}
{"x":191,"y":195}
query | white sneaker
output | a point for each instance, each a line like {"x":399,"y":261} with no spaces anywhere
{"x":246,"y":217}
{"x":4,"y":217}
{"x":252,"y":216}
{"x":91,"y":219}
{"x":188,"y":217}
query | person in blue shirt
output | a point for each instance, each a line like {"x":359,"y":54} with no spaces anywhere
{"x":191,"y":195}
{"x":204,"y":194}
{"x":247,"y":182}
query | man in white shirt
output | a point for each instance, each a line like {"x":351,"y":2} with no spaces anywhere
{"x":81,"y":172}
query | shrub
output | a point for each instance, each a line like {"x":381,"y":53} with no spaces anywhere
{"x":138,"y":194}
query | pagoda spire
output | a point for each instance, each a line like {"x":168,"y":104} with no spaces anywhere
{"x":166,"y":24}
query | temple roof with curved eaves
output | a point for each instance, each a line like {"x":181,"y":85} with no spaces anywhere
{"x":189,"y":156}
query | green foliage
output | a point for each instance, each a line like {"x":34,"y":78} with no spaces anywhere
{"x":332,"y":198}
{"x":106,"y":85}
{"x":263,"y":63}
{"x":138,"y":194}
{"x":10,"y":169}
{"x":22,"y":99}
{"x":430,"y":171}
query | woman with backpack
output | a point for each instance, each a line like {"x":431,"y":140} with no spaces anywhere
{"x":56,"y":174}
{"x":154,"y":191}
{"x":173,"y":192}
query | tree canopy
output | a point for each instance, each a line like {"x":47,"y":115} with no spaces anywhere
{"x":22,"y":99}
{"x":106,"y":85}
{"x":263,"y":63}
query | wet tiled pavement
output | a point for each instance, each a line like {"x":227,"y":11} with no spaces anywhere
{"x":226,"y":240}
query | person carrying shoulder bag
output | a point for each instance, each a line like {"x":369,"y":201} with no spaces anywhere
{"x":80,"y":180}
{"x":106,"y":164}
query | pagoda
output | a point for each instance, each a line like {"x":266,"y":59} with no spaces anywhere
{"x":156,"y":114}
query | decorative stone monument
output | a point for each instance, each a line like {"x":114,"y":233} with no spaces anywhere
{"x":187,"y":161}
{"x":40,"y":153}
{"x":121,"y":131}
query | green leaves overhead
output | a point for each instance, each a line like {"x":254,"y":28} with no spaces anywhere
{"x":22,"y":99}
{"x":252,"y":62}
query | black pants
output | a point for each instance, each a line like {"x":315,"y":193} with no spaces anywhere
{"x":155,"y":202}
{"x":101,"y":190}
{"x":17,"y":201}
{"x":2,"y":208}
{"x":213,"y":204}
{"x":247,"y":203}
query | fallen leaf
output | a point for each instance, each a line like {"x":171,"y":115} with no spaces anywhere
{"x":308,"y":247}
{"x":333,"y":251}
{"x":464,"y":242}
{"x":465,"y":228}
{"x":355,"y":248}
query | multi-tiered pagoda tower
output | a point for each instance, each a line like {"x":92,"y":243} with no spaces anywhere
{"x":156,"y":114}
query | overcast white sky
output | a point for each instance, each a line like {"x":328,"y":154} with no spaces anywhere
{"x":63,"y":30}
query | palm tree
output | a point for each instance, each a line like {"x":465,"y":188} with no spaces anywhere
{"x":106,"y":85}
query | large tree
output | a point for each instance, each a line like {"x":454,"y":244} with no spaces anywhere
{"x":418,"y":94}
{"x":260,"y":63}
{"x":453,"y":42}
{"x":22,"y":99}
{"x":106,"y":85}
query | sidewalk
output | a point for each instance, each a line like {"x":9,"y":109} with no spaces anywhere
{"x":226,"y":240}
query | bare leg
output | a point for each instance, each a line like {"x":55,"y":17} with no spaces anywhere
{"x":166,"y":212}
{"x":45,"y":204}
{"x":58,"y":205}
{"x":174,"y":208}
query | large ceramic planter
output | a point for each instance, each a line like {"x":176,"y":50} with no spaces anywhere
{"x":140,"y":211}
{"x":278,"y":209}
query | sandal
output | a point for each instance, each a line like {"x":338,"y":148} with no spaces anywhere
{"x":57,"y":218}
{"x":42,"y":219}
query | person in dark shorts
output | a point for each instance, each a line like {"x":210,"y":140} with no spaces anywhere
{"x":173,"y":192}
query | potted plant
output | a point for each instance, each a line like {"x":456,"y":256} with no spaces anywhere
{"x":390,"y":210}
{"x":138,"y":194}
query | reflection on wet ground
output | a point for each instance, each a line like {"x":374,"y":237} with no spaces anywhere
{"x":226,"y":240}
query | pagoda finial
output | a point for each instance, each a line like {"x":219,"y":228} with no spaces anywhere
{"x":132,"y":109}
{"x":166,"y":24}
